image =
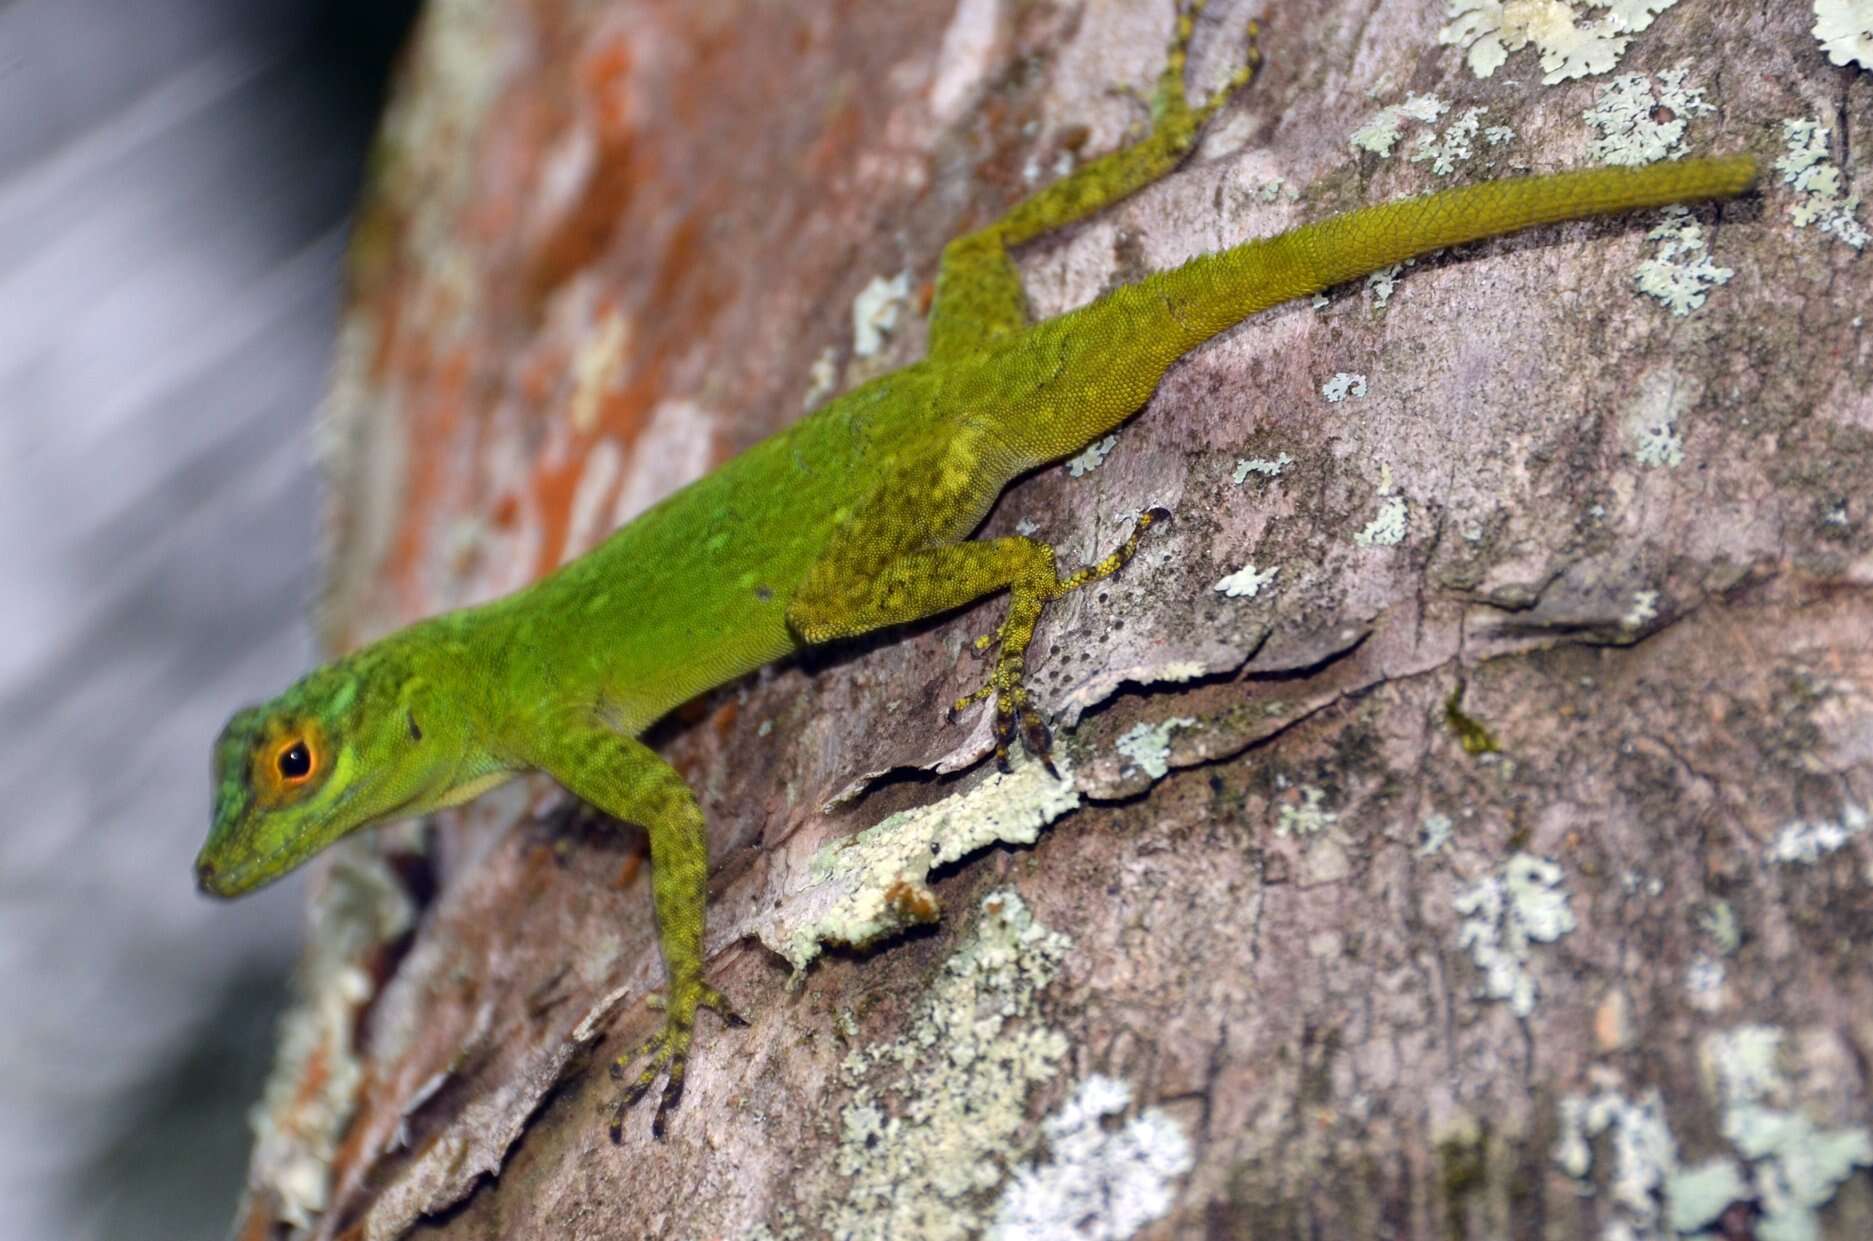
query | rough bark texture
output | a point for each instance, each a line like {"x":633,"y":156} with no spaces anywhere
{"x":1496,"y":865}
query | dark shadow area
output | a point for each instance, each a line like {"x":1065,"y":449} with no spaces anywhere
{"x":176,"y":178}
{"x":163,"y":1175}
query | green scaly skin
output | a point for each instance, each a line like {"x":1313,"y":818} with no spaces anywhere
{"x":855,"y":518}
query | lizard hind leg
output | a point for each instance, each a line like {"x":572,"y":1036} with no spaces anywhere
{"x":978,"y":290}
{"x":1171,"y":103}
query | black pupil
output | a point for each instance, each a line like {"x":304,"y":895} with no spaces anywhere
{"x":296,"y":761}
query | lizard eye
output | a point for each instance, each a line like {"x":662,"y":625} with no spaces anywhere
{"x":294,"y":761}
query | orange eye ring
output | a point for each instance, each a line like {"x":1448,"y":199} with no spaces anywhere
{"x":287,"y":761}
{"x":294,"y":761}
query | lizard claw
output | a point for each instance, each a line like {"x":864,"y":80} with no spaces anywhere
{"x":1015,"y":715}
{"x":1038,"y":739}
{"x":668,"y":1056}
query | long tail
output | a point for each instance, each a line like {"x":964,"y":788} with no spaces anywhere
{"x":1216,"y":291}
{"x":1072,"y":379}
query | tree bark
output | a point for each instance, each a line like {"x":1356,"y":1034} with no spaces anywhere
{"x":1491,"y":862}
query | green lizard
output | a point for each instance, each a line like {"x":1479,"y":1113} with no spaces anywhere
{"x":856,"y":518}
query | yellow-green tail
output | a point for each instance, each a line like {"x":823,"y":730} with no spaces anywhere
{"x":1219,"y":290}
{"x":1117,"y":348}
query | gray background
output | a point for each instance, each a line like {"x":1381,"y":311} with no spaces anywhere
{"x":175,"y":178}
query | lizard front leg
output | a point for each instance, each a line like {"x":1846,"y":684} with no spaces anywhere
{"x":624,"y":778}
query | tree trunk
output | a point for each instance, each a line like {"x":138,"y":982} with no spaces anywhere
{"x":1462,"y":823}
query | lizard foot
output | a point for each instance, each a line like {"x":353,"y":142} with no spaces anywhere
{"x":1014,"y":706}
{"x":668,"y":1052}
{"x":1174,"y":119}
{"x":1171,"y":100}
{"x":1014,"y":710}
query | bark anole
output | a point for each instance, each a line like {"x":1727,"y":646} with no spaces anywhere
{"x":857,"y":517}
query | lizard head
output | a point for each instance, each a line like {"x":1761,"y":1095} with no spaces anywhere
{"x":338,"y":751}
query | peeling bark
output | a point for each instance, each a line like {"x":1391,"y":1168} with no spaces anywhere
{"x":1518,"y":819}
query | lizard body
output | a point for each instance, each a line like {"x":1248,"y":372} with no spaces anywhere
{"x":856,"y":518}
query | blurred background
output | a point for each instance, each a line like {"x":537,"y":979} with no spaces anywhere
{"x":175,"y":183}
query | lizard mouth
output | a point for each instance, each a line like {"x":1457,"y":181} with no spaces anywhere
{"x":215,"y":879}
{"x":256,"y":872}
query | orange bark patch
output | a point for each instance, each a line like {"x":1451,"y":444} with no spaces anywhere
{"x":605,"y":78}
{"x":434,"y":413}
{"x":540,"y":374}
{"x":553,"y":488}
{"x":351,"y":1148}
{"x":628,"y":871}
{"x":912,"y":902}
{"x":585,"y":231}
{"x":831,"y":154}
{"x":257,"y":1224}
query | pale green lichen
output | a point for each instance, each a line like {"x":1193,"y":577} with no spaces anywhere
{"x":1718,"y":920}
{"x":1845,"y":29}
{"x":1651,"y":1197}
{"x":1246,"y":582}
{"x":1805,"y":842}
{"x":1644,"y":1155}
{"x":1795,"y":1164}
{"x":1445,"y":150}
{"x":1274,"y":191}
{"x":1634,"y":882}
{"x":1703,"y":980}
{"x":822,"y":378}
{"x":1680,"y":274}
{"x":1382,"y":283}
{"x":1092,"y":458}
{"x":873,"y":884}
{"x":1309,"y":817}
{"x":1246,"y":466}
{"x":1651,"y":420}
{"x":1644,"y":608}
{"x":1504,"y":916}
{"x":1641,"y":123}
{"x":1380,"y":131}
{"x":1388,"y":528}
{"x":1342,"y":385}
{"x":1695,"y":1198}
{"x":1037,"y":171}
{"x":1785,"y":1164}
{"x":1148,"y":746}
{"x":1659,"y":445}
{"x":786,"y":1227}
{"x":1433,"y":834}
{"x":1101,"y":1180}
{"x":877,"y":311}
{"x":1822,"y":200}
{"x":1572,"y":43}
{"x":938,"y":1116}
